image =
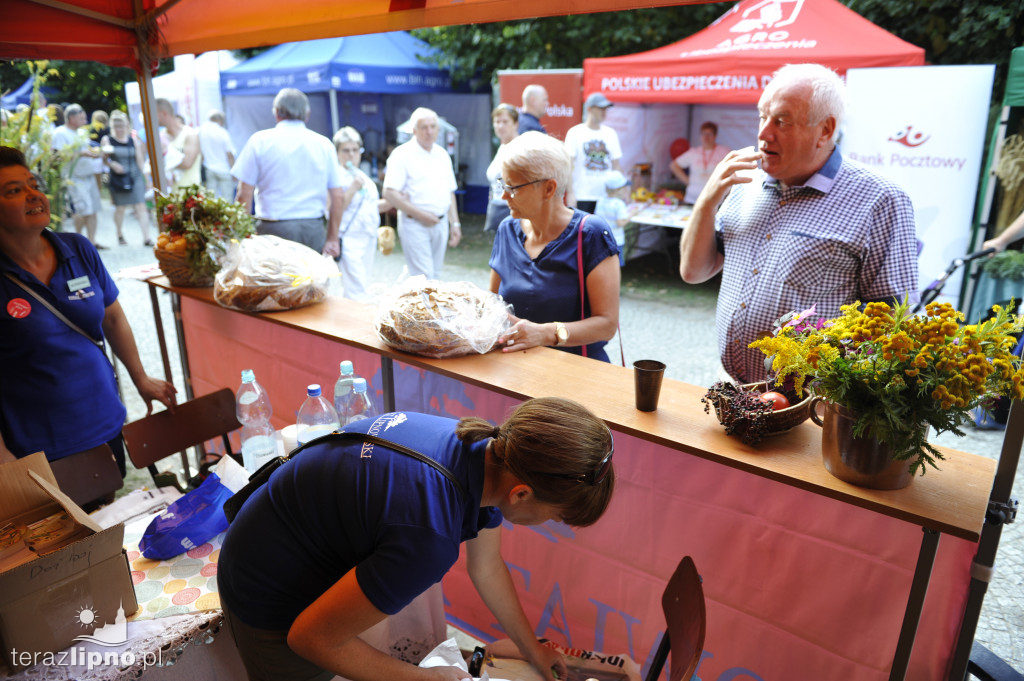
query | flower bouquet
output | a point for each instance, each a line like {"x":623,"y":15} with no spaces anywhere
{"x":196,"y":228}
{"x":897,"y":373}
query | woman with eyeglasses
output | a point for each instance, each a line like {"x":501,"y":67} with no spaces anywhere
{"x":505,"y":121}
{"x":359,"y":223}
{"x":346,"y":534}
{"x":545,"y":252}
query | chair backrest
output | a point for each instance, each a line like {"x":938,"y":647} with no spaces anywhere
{"x":165,"y":433}
{"x":88,"y":476}
{"x":686,"y":620}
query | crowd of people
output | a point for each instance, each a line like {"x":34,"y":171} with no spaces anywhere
{"x":788,"y":224}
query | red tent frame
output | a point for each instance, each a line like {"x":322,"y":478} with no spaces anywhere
{"x":731,"y":61}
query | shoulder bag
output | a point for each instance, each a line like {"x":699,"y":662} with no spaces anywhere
{"x":583,"y":289}
{"x":123,"y":182}
{"x":233,"y":505}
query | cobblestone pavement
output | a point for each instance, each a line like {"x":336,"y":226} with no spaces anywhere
{"x":681,"y":335}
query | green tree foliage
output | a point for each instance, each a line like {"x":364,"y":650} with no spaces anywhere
{"x":93,"y":85}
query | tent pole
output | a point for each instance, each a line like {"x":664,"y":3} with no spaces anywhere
{"x":153,"y":146}
{"x":333,"y":94}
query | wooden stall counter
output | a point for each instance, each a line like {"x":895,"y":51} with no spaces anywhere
{"x":806,"y":576}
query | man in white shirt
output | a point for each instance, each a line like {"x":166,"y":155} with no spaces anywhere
{"x":218,"y":155}
{"x":78,"y":173}
{"x":595,"y":151}
{"x":700,"y":161}
{"x":420,"y":183}
{"x":294,"y":175}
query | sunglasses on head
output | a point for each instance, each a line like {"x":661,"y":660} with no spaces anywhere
{"x":592,"y":478}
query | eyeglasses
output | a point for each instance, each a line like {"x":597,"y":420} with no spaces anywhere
{"x":348,"y":150}
{"x":511,"y":191}
{"x":592,"y":478}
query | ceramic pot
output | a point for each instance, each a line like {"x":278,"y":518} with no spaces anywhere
{"x":861,"y":461}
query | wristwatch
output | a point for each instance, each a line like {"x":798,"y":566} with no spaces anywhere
{"x":561,"y":333}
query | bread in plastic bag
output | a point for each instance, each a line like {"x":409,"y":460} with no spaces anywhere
{"x":440,"y":318}
{"x":264,"y":273}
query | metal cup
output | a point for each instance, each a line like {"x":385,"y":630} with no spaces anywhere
{"x":647,"y":375}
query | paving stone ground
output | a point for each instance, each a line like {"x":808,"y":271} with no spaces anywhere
{"x":674,"y":323}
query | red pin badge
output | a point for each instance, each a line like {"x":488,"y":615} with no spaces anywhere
{"x":18,"y":308}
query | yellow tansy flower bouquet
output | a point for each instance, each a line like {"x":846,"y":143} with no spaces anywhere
{"x":898,"y":371}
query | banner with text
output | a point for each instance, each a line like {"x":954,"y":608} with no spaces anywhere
{"x":924,"y":127}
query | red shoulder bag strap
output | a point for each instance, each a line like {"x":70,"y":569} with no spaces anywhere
{"x":583,"y":288}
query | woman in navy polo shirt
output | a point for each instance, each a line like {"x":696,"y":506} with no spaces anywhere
{"x":58,"y":393}
{"x":535,"y":261}
{"x":347,"y":533}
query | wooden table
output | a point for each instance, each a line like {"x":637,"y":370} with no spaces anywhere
{"x":951,"y":502}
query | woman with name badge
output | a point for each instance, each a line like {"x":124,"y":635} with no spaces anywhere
{"x":58,"y":305}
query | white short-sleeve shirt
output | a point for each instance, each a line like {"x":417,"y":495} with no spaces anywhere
{"x":291,"y":168}
{"x":426,"y":176}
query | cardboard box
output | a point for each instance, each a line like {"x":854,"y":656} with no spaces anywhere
{"x":48,"y":601}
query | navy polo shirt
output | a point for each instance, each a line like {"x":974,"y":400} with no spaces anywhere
{"x":547,"y":288}
{"x":57,"y":389}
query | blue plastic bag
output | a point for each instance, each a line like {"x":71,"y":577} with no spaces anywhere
{"x":191,"y":521}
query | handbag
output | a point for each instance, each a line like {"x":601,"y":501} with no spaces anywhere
{"x":234,"y":504}
{"x":583,"y":290}
{"x":123,"y":182}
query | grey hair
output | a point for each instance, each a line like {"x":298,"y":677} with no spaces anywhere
{"x":347,"y":134}
{"x":536,"y":156}
{"x":118,"y":116}
{"x":828,"y":93}
{"x":72,"y":110}
{"x":531,"y":91}
{"x":216,"y":116}
{"x":291,"y":104}
{"x":420,"y":114}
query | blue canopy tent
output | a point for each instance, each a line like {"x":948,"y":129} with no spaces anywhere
{"x":23,"y":95}
{"x":370,"y":82}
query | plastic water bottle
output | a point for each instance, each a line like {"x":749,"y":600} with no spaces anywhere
{"x":316,"y":416}
{"x":351,"y":167}
{"x":360,"y":407}
{"x":253,"y":409}
{"x":343,"y":388}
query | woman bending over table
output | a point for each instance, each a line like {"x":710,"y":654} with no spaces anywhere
{"x":347,"y":533}
{"x":535,"y":258}
{"x":58,"y":393}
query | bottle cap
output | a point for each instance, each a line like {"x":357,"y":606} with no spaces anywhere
{"x":248,"y":376}
{"x":346,"y":367}
{"x":313,"y":390}
{"x":359,"y":385}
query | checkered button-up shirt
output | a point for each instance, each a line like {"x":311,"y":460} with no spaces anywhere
{"x":847,"y":234}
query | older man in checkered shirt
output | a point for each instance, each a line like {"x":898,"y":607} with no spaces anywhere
{"x":808,"y":228}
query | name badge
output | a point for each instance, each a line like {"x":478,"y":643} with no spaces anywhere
{"x":78,"y":283}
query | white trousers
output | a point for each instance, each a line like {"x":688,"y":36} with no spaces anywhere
{"x":424,"y":247}
{"x":358,"y":249}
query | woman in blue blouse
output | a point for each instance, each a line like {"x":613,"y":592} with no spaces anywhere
{"x":534,"y":263}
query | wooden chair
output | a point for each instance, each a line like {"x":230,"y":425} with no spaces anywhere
{"x":683,"y":604}
{"x":163,"y":434}
{"x":89,"y":476}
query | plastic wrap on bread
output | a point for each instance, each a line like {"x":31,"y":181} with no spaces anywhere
{"x":441,"y":318}
{"x":265,"y":273}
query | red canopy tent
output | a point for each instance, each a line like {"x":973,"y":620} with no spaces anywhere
{"x":731,"y":61}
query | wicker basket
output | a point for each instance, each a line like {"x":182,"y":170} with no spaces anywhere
{"x":176,"y":268}
{"x":778,"y":421}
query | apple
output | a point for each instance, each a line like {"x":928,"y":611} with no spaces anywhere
{"x":777,"y":400}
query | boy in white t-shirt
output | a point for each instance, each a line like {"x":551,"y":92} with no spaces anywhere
{"x":614,"y":210}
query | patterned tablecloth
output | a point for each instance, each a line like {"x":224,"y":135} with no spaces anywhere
{"x":183,"y":584}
